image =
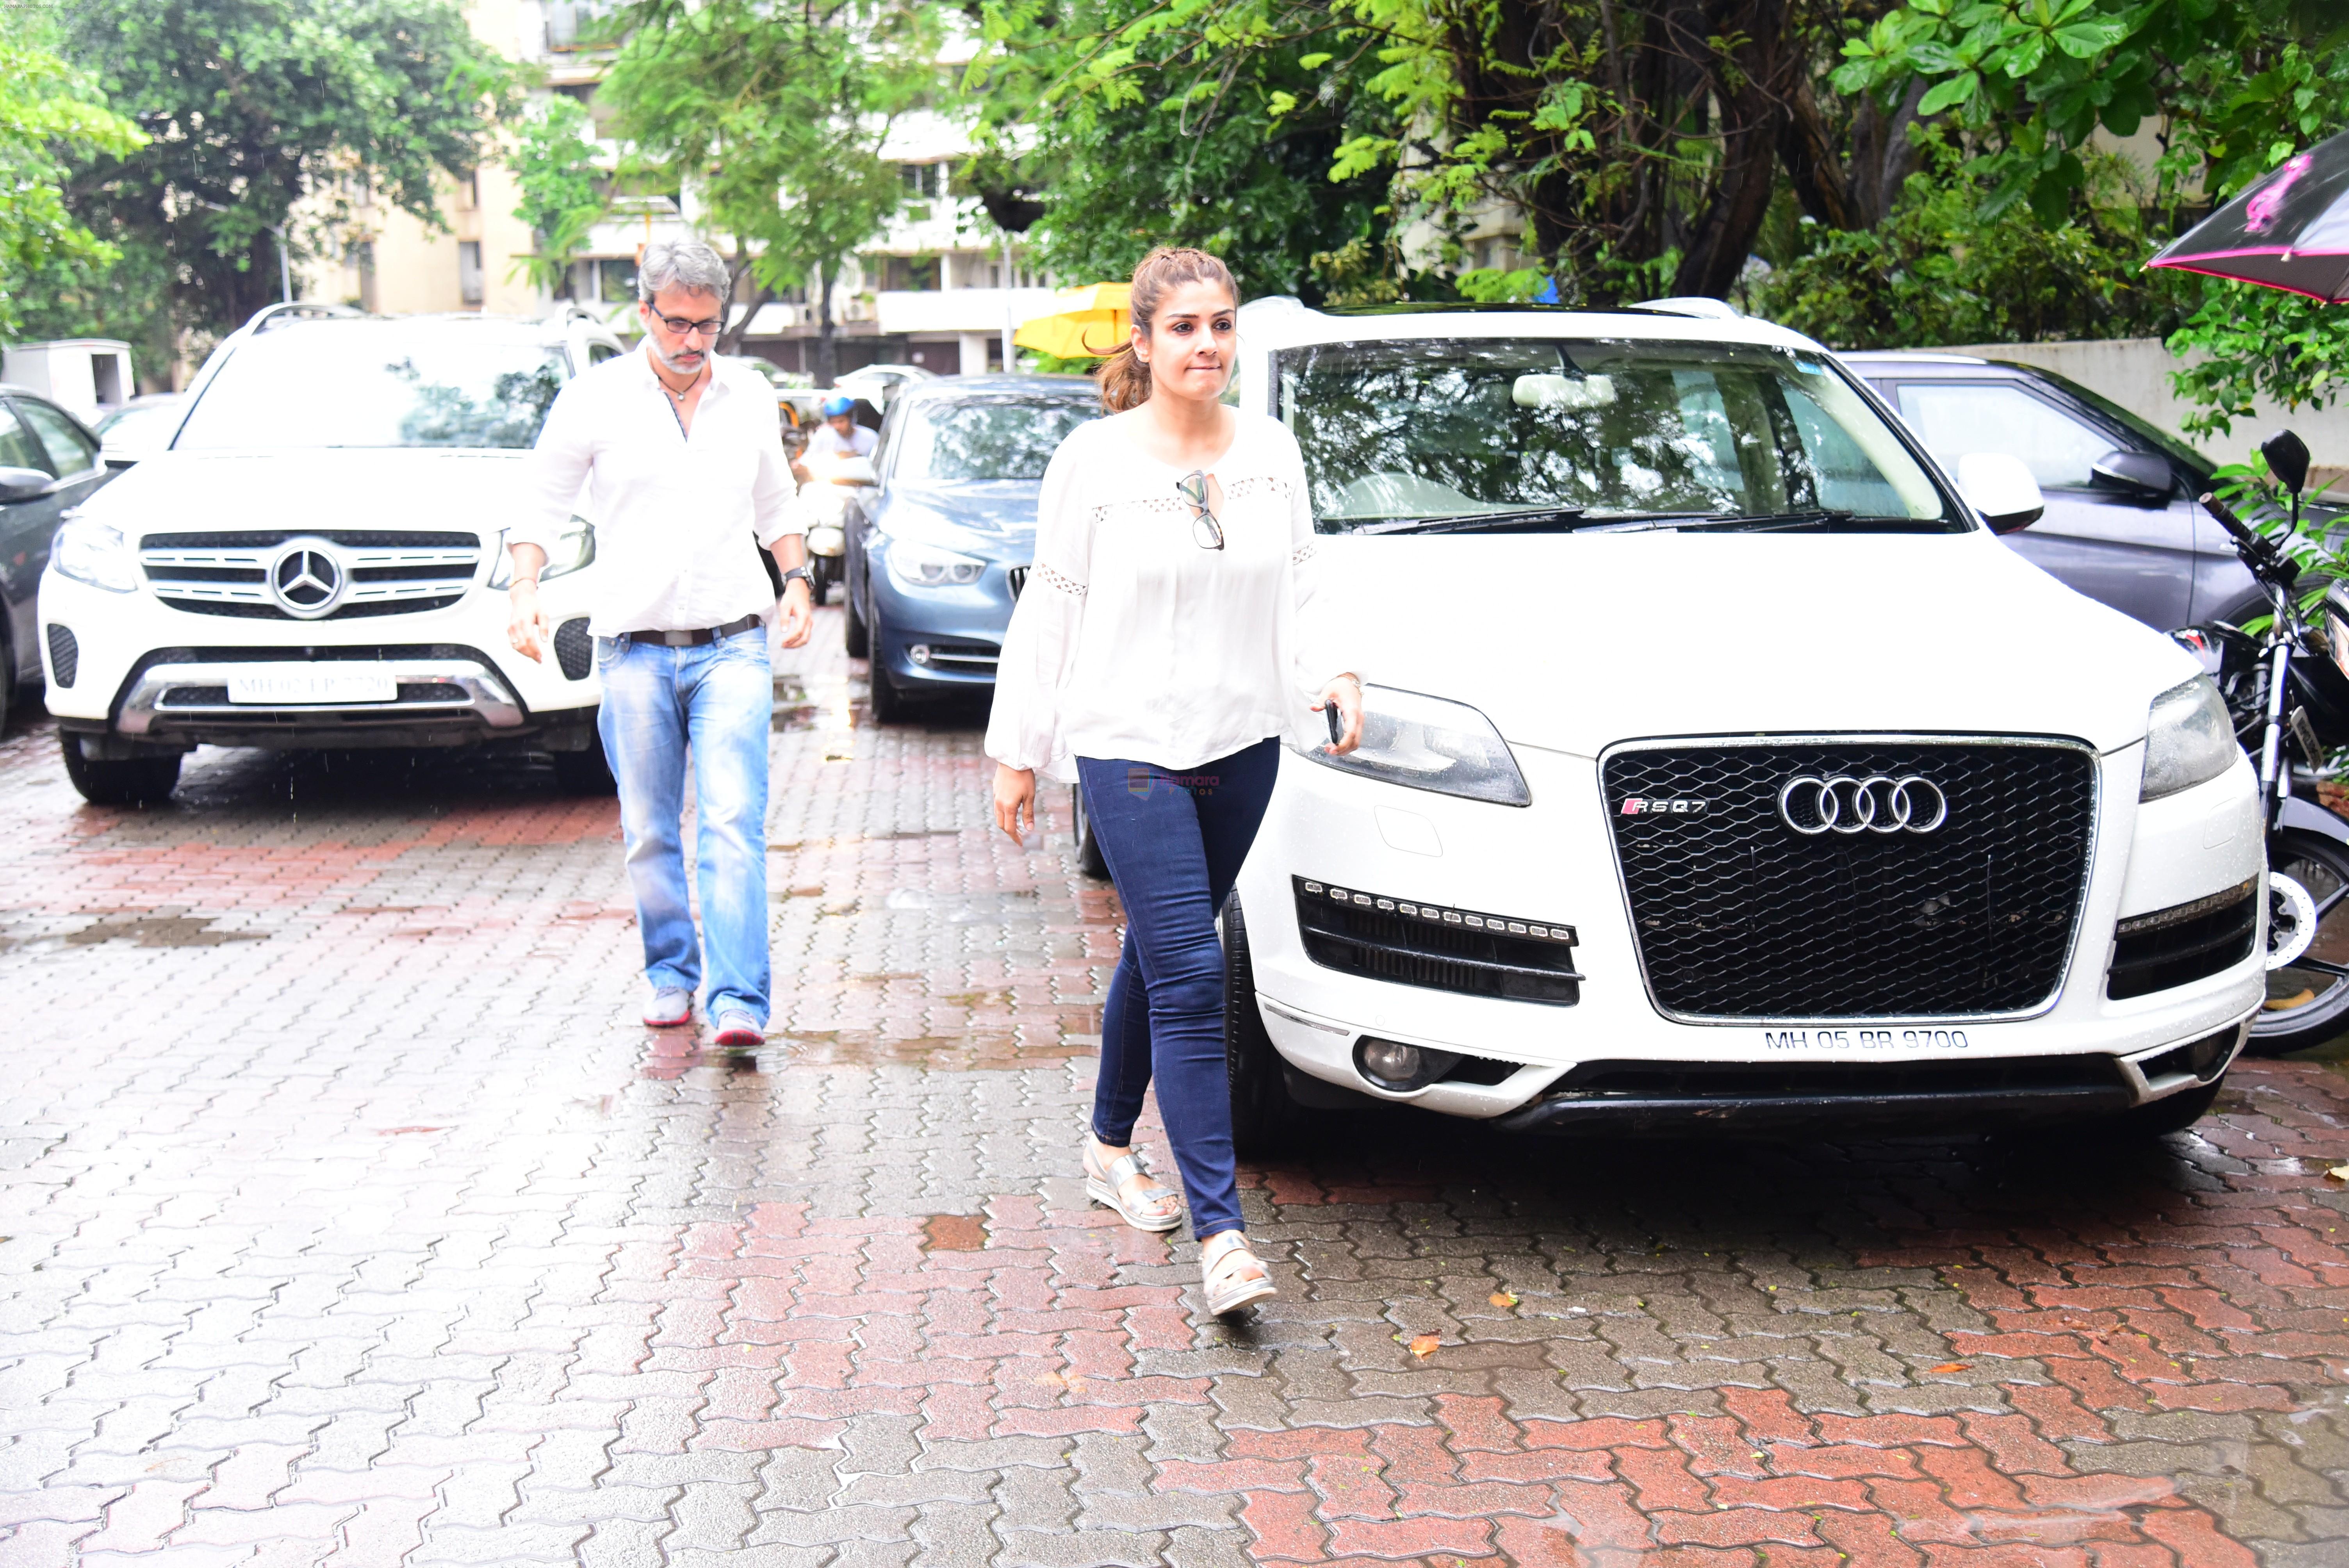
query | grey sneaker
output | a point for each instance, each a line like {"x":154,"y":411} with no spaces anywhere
{"x":739,"y":1029}
{"x":668,"y":1007}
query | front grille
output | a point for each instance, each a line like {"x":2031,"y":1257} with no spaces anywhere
{"x":188,"y":697}
{"x":64,"y":655}
{"x":227,"y":572}
{"x":1858,"y":1080}
{"x":1435,"y":947}
{"x":575,"y":650}
{"x":2187,"y":943}
{"x":1017,"y":577}
{"x":250,"y":612}
{"x":1738,"y":915}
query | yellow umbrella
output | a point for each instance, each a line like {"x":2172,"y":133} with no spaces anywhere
{"x":1089,"y":323}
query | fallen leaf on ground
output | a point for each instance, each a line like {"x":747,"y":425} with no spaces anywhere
{"x":1953,"y":1366}
{"x":1504,"y":1298}
{"x":2337,"y":1172}
{"x":1425,"y":1344}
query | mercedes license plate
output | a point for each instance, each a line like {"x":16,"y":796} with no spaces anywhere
{"x":302,"y":687}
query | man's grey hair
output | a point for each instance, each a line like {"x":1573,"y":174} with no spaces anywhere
{"x":681,"y":264}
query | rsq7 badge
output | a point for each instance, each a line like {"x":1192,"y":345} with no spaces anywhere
{"x":1656,"y":806}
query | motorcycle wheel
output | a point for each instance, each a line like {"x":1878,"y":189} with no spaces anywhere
{"x":2307,"y":999}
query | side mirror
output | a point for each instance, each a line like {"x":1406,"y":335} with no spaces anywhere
{"x":2287,"y":456}
{"x":23,"y":484}
{"x":854,"y":471}
{"x":2141,"y":477}
{"x":2002,"y":488}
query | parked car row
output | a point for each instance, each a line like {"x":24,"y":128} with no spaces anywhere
{"x":1733,"y":764}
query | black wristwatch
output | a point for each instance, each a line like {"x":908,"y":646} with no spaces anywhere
{"x":783,"y":585}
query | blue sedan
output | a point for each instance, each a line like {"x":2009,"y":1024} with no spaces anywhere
{"x":937,"y":551}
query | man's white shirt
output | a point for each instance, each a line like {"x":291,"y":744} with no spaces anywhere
{"x":674,"y":515}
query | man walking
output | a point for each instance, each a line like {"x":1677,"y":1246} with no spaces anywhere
{"x":682,"y":457}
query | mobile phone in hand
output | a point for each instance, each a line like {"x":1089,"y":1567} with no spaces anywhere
{"x":1337,"y":724}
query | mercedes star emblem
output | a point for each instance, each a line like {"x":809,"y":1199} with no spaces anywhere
{"x":308,"y":578}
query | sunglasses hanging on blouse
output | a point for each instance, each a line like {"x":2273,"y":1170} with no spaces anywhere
{"x":1205,"y":529}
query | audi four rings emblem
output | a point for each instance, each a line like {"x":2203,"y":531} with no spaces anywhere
{"x":1875,"y":804}
{"x":307,"y":577}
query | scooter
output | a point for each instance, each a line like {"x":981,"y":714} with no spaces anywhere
{"x":2287,"y":690}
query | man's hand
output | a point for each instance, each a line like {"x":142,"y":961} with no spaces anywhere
{"x":798,"y":612}
{"x":526,"y":626}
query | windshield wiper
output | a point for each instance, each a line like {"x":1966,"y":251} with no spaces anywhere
{"x":1763,"y":522}
{"x":1528,"y":520}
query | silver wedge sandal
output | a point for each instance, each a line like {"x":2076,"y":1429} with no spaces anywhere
{"x":1152,"y":1208}
{"x":1233,"y":1276}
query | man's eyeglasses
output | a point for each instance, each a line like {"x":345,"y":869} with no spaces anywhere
{"x":1205,"y":529}
{"x":709,"y":328}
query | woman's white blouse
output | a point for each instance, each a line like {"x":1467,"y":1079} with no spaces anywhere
{"x":1131,"y":642}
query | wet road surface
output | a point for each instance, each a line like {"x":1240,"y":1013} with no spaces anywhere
{"x":350,"y":1217}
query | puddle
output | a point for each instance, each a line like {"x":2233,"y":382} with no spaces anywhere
{"x":968,"y":908}
{"x":160,"y":930}
{"x":996,"y":1051}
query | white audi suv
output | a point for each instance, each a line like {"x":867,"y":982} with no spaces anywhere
{"x":316,"y":560}
{"x":1722,"y":768}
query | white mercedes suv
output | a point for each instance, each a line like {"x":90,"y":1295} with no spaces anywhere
{"x":1722,"y":769}
{"x":316,"y":559}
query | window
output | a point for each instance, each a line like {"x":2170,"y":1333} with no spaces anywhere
{"x":17,"y":447}
{"x":1957,"y":419}
{"x":378,"y":384}
{"x":599,"y":352}
{"x":984,"y":438}
{"x":70,"y":452}
{"x":469,"y":270}
{"x":1442,"y":427}
{"x":907,"y":273}
{"x":615,"y":280}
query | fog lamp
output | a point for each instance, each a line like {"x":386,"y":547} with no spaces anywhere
{"x":1389,"y":1061}
{"x":920,"y":653}
{"x":1400,"y":1069}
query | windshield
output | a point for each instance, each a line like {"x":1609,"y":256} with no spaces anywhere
{"x":1458,"y":427}
{"x":986,"y":438}
{"x":377,"y":384}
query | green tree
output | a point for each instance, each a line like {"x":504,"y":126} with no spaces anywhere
{"x":47,"y":111}
{"x":2233,"y":87}
{"x":562,"y":192}
{"x":1641,"y":140}
{"x":1177,"y":143}
{"x":777,"y":115}
{"x":1936,"y":271}
{"x":250,"y":105}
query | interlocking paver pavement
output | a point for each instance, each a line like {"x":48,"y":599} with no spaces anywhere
{"x":350,"y":1219}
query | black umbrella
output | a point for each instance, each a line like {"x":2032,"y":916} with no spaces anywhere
{"x":2289,"y":231}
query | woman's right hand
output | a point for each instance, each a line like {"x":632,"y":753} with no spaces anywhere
{"x":1015,"y":801}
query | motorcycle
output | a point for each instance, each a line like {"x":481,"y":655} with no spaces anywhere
{"x":2287,"y":691}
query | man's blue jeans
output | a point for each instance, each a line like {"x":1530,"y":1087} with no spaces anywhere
{"x":716,"y":701}
{"x":1175,"y":843}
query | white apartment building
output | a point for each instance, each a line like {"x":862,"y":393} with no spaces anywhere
{"x":932,"y":290}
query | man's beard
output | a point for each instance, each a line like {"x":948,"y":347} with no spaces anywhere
{"x":671,"y":363}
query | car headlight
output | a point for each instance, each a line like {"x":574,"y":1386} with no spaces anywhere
{"x":2189,"y":739}
{"x":1427,"y":743}
{"x":928,"y":566}
{"x":89,"y":551}
{"x":573,"y":548}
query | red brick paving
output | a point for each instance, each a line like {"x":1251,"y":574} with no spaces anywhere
{"x":350,"y":1219}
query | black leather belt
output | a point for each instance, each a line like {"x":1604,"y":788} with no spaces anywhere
{"x":696,"y":639}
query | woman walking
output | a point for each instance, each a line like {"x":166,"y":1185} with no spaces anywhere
{"x":1161,"y":649}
